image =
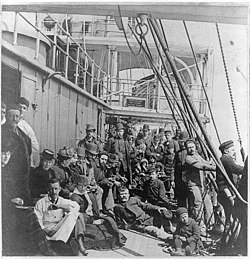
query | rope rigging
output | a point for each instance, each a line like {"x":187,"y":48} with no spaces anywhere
{"x":202,"y":84}
{"x":207,"y":144}
{"x":230,"y":93}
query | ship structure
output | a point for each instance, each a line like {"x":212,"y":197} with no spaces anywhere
{"x":81,"y":64}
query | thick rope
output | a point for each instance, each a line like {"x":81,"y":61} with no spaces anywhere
{"x":230,"y":91}
{"x":202,"y":84}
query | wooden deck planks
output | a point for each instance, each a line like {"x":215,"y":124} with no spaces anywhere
{"x":137,"y":245}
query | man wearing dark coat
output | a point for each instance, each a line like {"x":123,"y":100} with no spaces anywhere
{"x":121,"y":148}
{"x":39,"y":177}
{"x":131,"y":212}
{"x":17,"y":171}
{"x":225,"y":194}
{"x":90,"y":138}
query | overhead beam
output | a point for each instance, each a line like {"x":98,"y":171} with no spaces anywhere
{"x":198,"y":12}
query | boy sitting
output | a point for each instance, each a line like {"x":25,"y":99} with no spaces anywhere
{"x":187,"y":233}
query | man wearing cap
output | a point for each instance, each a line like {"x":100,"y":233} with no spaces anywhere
{"x":26,"y":128}
{"x":62,"y":172}
{"x":121,"y":148}
{"x":100,"y":171}
{"x":81,"y":162}
{"x":177,"y":134}
{"x":90,"y":138}
{"x":187,"y":232}
{"x":146,"y":136}
{"x":170,"y":140}
{"x":156,"y":148}
{"x":154,"y":189}
{"x":195,"y":167}
{"x":39,"y":177}
{"x":225,"y":195}
{"x":18,"y":168}
{"x":180,"y":190}
{"x":131,"y":212}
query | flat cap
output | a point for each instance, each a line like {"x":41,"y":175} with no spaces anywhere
{"x":225,"y":145}
{"x":180,"y":211}
{"x":23,"y":100}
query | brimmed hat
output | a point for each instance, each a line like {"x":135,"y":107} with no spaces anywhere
{"x":183,"y":136}
{"x":91,"y":148}
{"x":144,"y":160}
{"x":103,"y":153}
{"x":113,"y":158}
{"x":70,"y":151}
{"x":157,"y":137}
{"x":153,"y":155}
{"x":47,"y":154}
{"x":90,"y":127}
{"x":161,"y":130}
{"x":62,"y":153}
{"x":225,"y":145}
{"x":82,"y":179}
{"x":190,"y":140}
{"x":159,"y":164}
{"x":23,"y":100}
{"x":145,"y":127}
{"x":167,"y":130}
{"x":151,"y":169}
{"x":180,"y":211}
{"x":80,"y":151}
{"x":119,"y":126}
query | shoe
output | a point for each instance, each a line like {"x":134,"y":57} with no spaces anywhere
{"x":188,"y":251}
{"x":178,"y":252}
{"x":75,"y":247}
{"x":82,"y":249}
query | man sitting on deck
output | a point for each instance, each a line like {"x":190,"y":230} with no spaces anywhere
{"x":58,"y":218}
{"x":131,"y":213}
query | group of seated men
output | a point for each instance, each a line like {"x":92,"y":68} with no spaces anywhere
{"x":121,"y":179}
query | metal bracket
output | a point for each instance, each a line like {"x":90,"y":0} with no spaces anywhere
{"x":46,"y":78}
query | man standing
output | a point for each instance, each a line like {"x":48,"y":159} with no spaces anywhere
{"x":225,"y":194}
{"x":195,"y":177}
{"x":121,"y":148}
{"x":59,"y":217}
{"x":156,"y":148}
{"x":180,"y":157}
{"x":90,"y":138}
{"x":18,"y":167}
{"x":170,"y":140}
{"x":26,"y":128}
{"x":146,"y":136}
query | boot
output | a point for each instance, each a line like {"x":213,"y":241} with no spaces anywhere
{"x":178,"y":252}
{"x":82,"y":249}
{"x":188,"y":251}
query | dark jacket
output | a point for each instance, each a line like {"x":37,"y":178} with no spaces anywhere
{"x":99,"y":174}
{"x":39,"y":179}
{"x":84,"y":142}
{"x":233,"y":171}
{"x":17,"y":170}
{"x":155,"y":192}
{"x":190,"y":230}
{"x":137,"y":208}
{"x":151,"y":149}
